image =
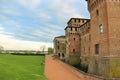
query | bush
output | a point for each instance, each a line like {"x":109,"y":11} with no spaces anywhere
{"x":83,"y":68}
{"x":73,"y":60}
{"x":76,"y":62}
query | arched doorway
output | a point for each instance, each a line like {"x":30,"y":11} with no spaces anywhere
{"x":63,"y":55}
{"x":58,"y":54}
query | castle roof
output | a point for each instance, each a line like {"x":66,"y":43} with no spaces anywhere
{"x":60,"y":37}
{"x":76,"y":18}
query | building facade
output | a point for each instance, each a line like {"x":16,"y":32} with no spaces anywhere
{"x":73,"y":36}
{"x":105,"y":38}
{"x":60,"y":46}
{"x":85,"y":41}
{"x":96,"y":41}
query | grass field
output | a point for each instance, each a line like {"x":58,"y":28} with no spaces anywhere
{"x":19,"y":67}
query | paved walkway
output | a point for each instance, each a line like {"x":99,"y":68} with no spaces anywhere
{"x":56,"y":70}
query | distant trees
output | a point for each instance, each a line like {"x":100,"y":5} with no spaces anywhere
{"x":50,"y":50}
{"x":28,"y":52}
{"x":42,"y":48}
{"x":1,"y":48}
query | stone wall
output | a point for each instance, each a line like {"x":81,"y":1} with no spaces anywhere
{"x":108,"y":67}
{"x":114,"y":68}
{"x":88,"y":76}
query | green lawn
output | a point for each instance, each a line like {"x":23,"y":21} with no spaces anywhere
{"x":18,"y":67}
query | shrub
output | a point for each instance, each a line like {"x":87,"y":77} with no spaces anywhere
{"x":76,"y":62}
{"x":73,"y":60}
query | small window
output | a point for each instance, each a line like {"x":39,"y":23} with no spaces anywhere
{"x":75,"y":20}
{"x":97,"y":13}
{"x":82,"y":21}
{"x":58,"y":47}
{"x":74,"y":39}
{"x":96,"y":48}
{"x":85,"y":39}
{"x":100,"y":28}
{"x":89,"y":37}
{"x":75,"y":29}
{"x":73,"y":50}
{"x":63,"y":55}
{"x":59,"y":54}
{"x":71,"y":28}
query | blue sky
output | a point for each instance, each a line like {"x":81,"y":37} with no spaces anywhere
{"x":28,"y":24}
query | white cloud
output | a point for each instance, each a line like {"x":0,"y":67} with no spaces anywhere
{"x":13,"y":23}
{"x":1,"y":28}
{"x":55,"y":27}
{"x":65,"y":8}
{"x":45,"y":35}
{"x":7,"y":21}
{"x":8,"y":12}
{"x":31,"y":4}
{"x":8,"y":41}
{"x":43,"y":15}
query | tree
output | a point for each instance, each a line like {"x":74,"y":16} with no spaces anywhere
{"x":1,"y":48}
{"x":28,"y":52}
{"x":50,"y":50}
{"x":42,"y":48}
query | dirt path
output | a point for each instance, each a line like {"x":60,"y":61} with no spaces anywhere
{"x":56,"y":70}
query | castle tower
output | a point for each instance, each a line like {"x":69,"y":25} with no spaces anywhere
{"x":73,"y":37}
{"x":105,"y":37}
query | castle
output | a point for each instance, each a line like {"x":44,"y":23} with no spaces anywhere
{"x":95,"y":41}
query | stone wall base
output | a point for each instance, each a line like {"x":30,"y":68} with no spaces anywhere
{"x":108,"y":67}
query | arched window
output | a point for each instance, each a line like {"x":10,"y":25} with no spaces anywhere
{"x":59,"y":54}
{"x":63,"y":55}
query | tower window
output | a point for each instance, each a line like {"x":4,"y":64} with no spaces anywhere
{"x":75,"y":20}
{"x":97,"y":12}
{"x":74,"y":39}
{"x":58,"y":47}
{"x":100,"y":28}
{"x":89,"y":37}
{"x":96,"y":48}
{"x":63,"y":55}
{"x":59,"y":54}
{"x":73,"y":50}
{"x":71,"y":28}
{"x":82,"y":21}
{"x":75,"y":29}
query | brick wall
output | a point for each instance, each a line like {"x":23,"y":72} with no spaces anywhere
{"x":113,"y":10}
{"x":73,"y":36}
{"x":60,"y":46}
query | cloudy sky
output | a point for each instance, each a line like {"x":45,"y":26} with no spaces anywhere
{"x":28,"y":24}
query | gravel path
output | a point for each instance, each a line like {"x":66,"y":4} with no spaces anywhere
{"x":56,"y":70}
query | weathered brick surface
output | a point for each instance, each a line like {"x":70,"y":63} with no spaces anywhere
{"x":113,"y":11}
{"x":60,"y":46}
{"x":73,"y":36}
{"x":105,"y":12}
{"x":97,"y":41}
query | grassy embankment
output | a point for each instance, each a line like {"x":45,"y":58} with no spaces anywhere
{"x":19,"y":67}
